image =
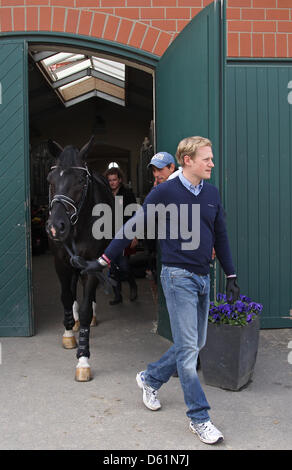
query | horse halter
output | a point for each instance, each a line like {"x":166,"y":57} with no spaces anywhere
{"x":68,"y":201}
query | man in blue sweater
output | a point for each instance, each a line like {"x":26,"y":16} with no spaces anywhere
{"x":186,"y":251}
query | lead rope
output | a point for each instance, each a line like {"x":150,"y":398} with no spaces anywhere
{"x":107,"y":282}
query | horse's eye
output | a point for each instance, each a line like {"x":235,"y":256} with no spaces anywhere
{"x":81,"y":181}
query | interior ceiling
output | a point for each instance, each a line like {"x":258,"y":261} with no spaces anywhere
{"x":44,"y":101}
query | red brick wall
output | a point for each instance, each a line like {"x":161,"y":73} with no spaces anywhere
{"x":92,"y":23}
{"x":259,"y":28}
{"x":255,"y":28}
{"x":169,"y":15}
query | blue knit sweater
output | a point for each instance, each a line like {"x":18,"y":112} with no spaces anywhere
{"x":212,"y":228}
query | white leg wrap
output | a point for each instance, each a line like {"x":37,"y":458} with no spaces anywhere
{"x":68,"y":333}
{"x":83,"y":362}
{"x":75,"y":309}
{"x":94,"y":309}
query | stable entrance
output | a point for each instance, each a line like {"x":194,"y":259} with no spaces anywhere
{"x":46,"y":98}
{"x":187,"y":102}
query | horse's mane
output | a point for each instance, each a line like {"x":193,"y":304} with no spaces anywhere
{"x":103,"y":186}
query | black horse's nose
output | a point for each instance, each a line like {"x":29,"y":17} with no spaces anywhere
{"x":55,"y":230}
{"x":58,"y":223}
{"x":51,"y":231}
{"x":62,"y":227}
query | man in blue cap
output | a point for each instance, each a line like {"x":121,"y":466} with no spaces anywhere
{"x":163,"y":165}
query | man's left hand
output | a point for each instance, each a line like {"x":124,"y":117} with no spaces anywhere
{"x":232,"y":290}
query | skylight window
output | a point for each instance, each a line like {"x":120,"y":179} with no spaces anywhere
{"x":65,"y":69}
{"x":113,"y":69}
{"x":77,"y":77}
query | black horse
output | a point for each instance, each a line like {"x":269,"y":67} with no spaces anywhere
{"x":74,"y":191}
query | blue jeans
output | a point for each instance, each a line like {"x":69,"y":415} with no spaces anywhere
{"x":187,"y":298}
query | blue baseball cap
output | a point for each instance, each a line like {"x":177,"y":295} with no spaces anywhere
{"x":161,"y":159}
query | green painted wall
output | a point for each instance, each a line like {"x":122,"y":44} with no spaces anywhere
{"x":15,"y":268}
{"x":258,"y":176}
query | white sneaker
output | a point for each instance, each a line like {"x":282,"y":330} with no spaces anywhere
{"x":149,"y":393}
{"x":207,"y":432}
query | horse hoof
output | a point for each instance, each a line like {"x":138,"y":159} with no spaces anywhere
{"x":76,"y":326}
{"x":69,"y":342}
{"x":83,"y":374}
{"x":93,"y":321}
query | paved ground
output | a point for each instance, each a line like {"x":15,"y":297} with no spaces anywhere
{"x":44,"y":408}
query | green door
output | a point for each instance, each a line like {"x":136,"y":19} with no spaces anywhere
{"x":259,"y":175}
{"x":15,"y":259}
{"x":187,"y":97}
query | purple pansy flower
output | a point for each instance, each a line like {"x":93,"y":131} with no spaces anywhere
{"x":241,"y":312}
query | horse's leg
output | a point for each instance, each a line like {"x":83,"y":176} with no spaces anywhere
{"x":65,"y":276}
{"x":75,"y":306}
{"x":83,"y":372}
{"x":94,"y":320}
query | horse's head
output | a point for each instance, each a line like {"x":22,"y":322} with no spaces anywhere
{"x":68,"y":179}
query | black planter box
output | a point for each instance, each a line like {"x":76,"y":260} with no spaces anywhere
{"x":229,"y":355}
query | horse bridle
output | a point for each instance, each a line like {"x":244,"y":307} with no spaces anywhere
{"x":63,"y":199}
{"x":68,"y":201}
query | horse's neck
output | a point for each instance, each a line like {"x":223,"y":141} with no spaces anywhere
{"x":101,"y":193}
{"x":96,"y":195}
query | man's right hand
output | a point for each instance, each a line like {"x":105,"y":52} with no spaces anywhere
{"x":78,"y":262}
{"x":90,"y":267}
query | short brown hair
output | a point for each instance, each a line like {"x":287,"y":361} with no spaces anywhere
{"x":189,"y":146}
{"x":115,"y":171}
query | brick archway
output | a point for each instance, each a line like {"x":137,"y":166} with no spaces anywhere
{"x":85,"y":23}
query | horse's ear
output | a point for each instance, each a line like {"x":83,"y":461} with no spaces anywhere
{"x":84,"y":151}
{"x":54,"y":148}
